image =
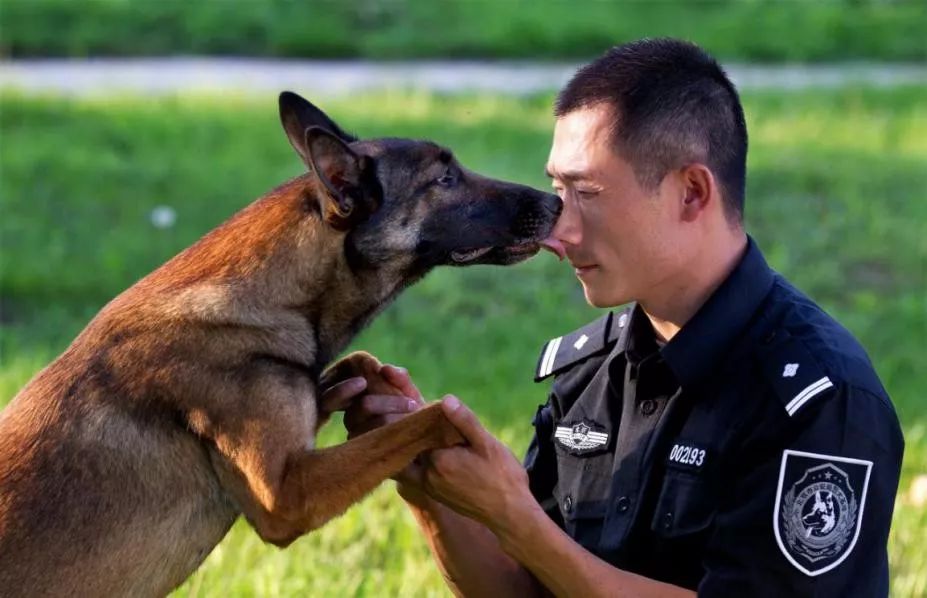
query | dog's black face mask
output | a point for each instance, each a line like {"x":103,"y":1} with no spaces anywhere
{"x":410,"y":203}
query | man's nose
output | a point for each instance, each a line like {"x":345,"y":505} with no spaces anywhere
{"x":567,"y":229}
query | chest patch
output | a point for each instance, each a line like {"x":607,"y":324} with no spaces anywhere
{"x":819,"y":509}
{"x":582,"y":437}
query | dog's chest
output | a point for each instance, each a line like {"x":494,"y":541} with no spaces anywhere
{"x":185,"y":538}
{"x":192,"y":514}
{"x":167,"y":509}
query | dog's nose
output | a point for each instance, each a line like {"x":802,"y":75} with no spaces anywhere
{"x":553,"y":204}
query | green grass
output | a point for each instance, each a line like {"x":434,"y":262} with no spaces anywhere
{"x":836,"y":199}
{"x":754,"y":30}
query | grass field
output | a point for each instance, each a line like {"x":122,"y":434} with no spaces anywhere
{"x":836,"y":199}
{"x":751,"y":30}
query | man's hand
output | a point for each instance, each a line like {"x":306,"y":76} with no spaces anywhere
{"x":340,"y":396}
{"x":373,"y":411}
{"x":368,"y":412}
{"x":483,"y":480}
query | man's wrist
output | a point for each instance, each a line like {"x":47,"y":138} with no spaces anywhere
{"x":518,"y":528}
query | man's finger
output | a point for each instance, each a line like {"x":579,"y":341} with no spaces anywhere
{"x":400,"y":378}
{"x":339,"y":396}
{"x":466,"y":422}
{"x":372,"y":406}
{"x":384,"y":404}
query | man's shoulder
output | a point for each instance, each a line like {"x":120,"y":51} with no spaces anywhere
{"x":809,"y":359}
{"x":596,"y":338}
{"x":802,"y":327}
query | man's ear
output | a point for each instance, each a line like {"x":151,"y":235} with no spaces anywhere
{"x":345,"y":176}
{"x":298,"y":114}
{"x":699,"y":187}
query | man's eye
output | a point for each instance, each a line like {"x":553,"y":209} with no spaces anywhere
{"x":586,"y":194}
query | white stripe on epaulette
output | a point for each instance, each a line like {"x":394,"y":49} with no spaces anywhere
{"x":810,"y":391}
{"x":580,"y":342}
{"x":546,"y":358}
{"x":547,"y":364}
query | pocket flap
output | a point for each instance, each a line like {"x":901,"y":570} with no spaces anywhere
{"x":686,"y":506}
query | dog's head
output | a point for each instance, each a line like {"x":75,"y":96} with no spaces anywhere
{"x":400,"y":201}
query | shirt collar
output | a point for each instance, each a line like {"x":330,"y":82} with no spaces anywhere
{"x":693,"y":352}
{"x":637,"y":347}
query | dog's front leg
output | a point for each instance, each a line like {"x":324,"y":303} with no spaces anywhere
{"x":286,"y":488}
{"x":320,"y":485}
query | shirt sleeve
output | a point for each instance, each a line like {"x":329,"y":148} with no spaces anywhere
{"x":809,"y":511}
{"x":541,"y":463}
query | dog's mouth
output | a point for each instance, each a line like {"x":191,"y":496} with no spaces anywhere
{"x":463,"y":256}
{"x":495,"y":255}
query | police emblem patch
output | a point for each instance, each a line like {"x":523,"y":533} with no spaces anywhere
{"x":819,"y":508}
{"x":582,"y":437}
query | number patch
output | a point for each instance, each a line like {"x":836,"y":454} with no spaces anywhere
{"x":687,"y":455}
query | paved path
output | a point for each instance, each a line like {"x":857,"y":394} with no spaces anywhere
{"x":242,"y":75}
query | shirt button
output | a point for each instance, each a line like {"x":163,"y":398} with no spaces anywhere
{"x":667,"y":520}
{"x":623,"y":504}
{"x":568,"y":504}
{"x":648,"y":406}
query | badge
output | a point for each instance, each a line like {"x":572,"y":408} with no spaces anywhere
{"x":582,"y":438}
{"x":819,"y":508}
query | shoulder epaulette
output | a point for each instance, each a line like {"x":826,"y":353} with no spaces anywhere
{"x":564,"y":351}
{"x":794,"y":374}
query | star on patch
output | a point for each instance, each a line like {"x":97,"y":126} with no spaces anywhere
{"x":790,"y":370}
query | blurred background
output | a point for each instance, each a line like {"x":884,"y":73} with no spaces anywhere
{"x":129,"y":128}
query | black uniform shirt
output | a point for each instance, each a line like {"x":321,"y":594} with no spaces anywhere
{"x":756,"y":453}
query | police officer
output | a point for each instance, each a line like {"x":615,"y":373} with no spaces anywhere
{"x":722,"y":434}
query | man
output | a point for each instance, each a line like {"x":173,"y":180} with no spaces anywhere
{"x":721,"y":435}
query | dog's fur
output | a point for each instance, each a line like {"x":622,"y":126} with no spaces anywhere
{"x":191,"y":398}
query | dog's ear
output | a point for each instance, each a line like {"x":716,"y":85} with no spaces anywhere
{"x":348,"y":178}
{"x":298,"y":114}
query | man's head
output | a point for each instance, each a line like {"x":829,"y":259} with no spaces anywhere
{"x":649,"y":158}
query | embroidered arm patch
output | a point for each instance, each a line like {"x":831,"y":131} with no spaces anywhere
{"x":819,"y":509}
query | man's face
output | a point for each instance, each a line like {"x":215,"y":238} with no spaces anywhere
{"x":624,"y":242}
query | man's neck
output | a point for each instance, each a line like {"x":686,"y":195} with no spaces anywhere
{"x":670,"y":309}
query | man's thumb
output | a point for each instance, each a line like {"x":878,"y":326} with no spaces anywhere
{"x":464,"y":420}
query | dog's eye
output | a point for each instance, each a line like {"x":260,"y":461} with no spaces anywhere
{"x":447,"y":179}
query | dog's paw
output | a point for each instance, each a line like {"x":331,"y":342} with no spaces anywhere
{"x":442,"y":433}
{"x":358,"y":364}
{"x":449,"y":436}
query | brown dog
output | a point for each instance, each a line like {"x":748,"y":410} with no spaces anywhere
{"x":191,"y":398}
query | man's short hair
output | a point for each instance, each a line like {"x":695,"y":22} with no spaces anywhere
{"x":673,"y":105}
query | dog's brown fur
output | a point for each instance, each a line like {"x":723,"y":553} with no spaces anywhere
{"x":191,"y":398}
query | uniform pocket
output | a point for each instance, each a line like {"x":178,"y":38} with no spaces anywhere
{"x":582,"y":495}
{"x":587,"y":479}
{"x":686,"y":505}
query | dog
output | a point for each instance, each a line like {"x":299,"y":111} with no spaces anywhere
{"x":193,"y":396}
